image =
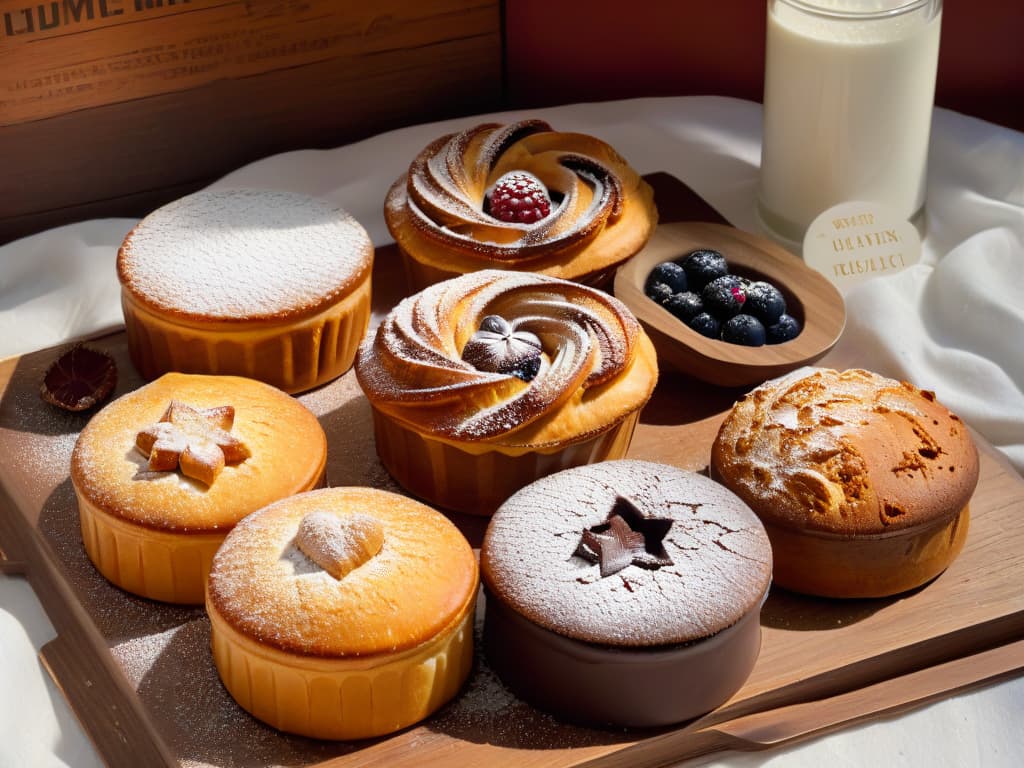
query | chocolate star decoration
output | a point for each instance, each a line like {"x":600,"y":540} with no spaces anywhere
{"x":195,"y":440}
{"x":497,"y":347}
{"x":625,"y":538}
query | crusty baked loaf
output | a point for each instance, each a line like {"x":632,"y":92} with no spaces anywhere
{"x":270,"y":285}
{"x":150,"y":521}
{"x":483,"y":383}
{"x":624,"y":592}
{"x":848,"y":463}
{"x":343,"y":613}
{"x":602,"y":211}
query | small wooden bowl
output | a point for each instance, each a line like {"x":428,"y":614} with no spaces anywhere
{"x":810,"y":298}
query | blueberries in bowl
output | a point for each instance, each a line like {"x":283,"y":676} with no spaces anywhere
{"x":706,"y":325}
{"x":699,"y":290}
{"x":667,"y":273}
{"x":784,"y":329}
{"x":685,"y":306}
{"x":744,"y":329}
{"x":703,"y":266}
{"x":765,"y":302}
{"x":724,"y":296}
{"x":659,"y":293}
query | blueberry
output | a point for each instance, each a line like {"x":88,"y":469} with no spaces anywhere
{"x":685,"y":306}
{"x":669,"y":273}
{"x":765,"y":302}
{"x":706,"y":325}
{"x":658,"y":292}
{"x":786,"y":328}
{"x":743,"y":329}
{"x":724,"y":296}
{"x":703,"y":266}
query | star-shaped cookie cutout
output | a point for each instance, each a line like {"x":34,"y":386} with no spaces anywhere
{"x":195,"y":440}
{"x":626,"y":537}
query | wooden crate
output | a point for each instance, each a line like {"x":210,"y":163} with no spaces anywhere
{"x":111,"y":107}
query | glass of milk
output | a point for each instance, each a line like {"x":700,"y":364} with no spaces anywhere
{"x":848,"y":93}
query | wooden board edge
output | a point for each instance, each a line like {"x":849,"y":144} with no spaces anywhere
{"x":79,"y":661}
{"x":115,"y":725}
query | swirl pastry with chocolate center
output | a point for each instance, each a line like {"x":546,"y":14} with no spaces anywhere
{"x":481,"y":384}
{"x":862,"y":481}
{"x":574,"y":207}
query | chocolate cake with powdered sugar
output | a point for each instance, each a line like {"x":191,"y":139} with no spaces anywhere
{"x":624,"y":593}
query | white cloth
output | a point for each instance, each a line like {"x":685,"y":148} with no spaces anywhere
{"x":954,"y":324}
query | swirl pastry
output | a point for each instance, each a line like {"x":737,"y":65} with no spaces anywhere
{"x":483,"y":383}
{"x":585,"y":210}
{"x":863,"y":482}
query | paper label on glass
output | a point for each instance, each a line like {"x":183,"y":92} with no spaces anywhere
{"x":855,"y":241}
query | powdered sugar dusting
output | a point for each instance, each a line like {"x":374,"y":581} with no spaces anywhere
{"x":234,"y":254}
{"x":420,"y":577}
{"x":412,"y":365}
{"x":721,"y":558}
{"x":164,"y":650}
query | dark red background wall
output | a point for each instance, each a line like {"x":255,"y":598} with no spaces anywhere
{"x":562,"y":51}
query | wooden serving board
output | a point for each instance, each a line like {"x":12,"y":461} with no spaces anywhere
{"x":140,"y":677}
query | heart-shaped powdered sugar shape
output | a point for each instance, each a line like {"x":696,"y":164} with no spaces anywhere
{"x":339,"y":545}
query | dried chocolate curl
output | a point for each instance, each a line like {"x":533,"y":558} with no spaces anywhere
{"x":79,"y":379}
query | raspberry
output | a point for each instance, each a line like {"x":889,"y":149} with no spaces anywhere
{"x":519,"y":198}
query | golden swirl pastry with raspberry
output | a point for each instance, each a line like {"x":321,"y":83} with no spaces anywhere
{"x":546,"y":372}
{"x":520,"y":196}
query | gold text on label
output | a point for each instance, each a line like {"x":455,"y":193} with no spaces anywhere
{"x":869,"y":240}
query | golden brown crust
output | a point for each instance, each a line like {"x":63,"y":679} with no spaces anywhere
{"x":421,"y":582}
{"x":850,"y":453}
{"x":865,"y":566}
{"x":598,"y":366}
{"x":603,"y":212}
{"x":287,"y":446}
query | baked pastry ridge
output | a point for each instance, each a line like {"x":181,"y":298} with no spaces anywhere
{"x":602,"y":211}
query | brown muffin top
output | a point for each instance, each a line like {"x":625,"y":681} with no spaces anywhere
{"x":847,"y":453}
{"x":685,"y":560}
{"x":243,"y":255}
{"x":343,"y":572}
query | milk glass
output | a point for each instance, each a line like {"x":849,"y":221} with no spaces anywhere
{"x":848,"y":94}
